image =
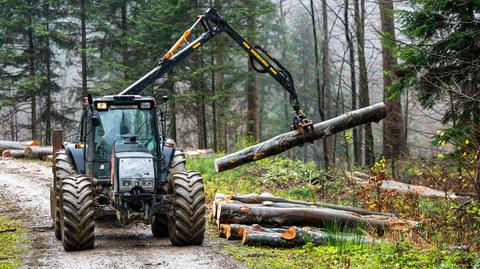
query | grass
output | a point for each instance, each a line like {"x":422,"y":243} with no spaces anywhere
{"x":386,"y":255}
{"x":13,"y":242}
{"x":296,"y":180}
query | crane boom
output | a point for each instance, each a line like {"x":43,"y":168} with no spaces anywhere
{"x":214,"y":23}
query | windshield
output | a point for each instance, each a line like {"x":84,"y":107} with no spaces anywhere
{"x":119,"y":121}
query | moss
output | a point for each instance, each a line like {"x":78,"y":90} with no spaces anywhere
{"x":13,"y":242}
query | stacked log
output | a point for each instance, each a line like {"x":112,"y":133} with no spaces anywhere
{"x":13,"y":153}
{"x":28,"y":149}
{"x":37,"y":152}
{"x":274,"y":221}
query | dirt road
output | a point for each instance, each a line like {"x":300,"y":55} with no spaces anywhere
{"x":24,"y":187}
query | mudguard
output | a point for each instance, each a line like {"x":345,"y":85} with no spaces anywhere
{"x":168,"y":151}
{"x":77,"y":155}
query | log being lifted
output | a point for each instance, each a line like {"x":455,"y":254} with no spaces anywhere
{"x":14,"y":153}
{"x":283,"y":142}
{"x":232,"y":213}
{"x":38,"y":152}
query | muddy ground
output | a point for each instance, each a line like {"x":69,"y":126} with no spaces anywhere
{"x":24,"y":189}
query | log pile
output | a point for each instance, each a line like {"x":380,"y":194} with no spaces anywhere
{"x":28,"y":149}
{"x":266,"y":220}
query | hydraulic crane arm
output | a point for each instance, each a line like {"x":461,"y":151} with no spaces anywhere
{"x":214,"y":23}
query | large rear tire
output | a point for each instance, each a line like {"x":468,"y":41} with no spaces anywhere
{"x":62,"y":167}
{"x":187,"y":217}
{"x":160,"y":222}
{"x":77,"y":215}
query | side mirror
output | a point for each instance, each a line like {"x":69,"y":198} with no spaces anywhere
{"x":164,"y":98}
{"x":95,"y":118}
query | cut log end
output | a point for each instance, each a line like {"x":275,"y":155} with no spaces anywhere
{"x":225,"y":231}
{"x":289,"y":234}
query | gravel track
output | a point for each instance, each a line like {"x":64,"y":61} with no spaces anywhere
{"x":24,"y":189}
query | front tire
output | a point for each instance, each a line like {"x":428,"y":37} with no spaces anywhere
{"x":63,"y":166}
{"x":77,"y":215}
{"x":187,"y":215}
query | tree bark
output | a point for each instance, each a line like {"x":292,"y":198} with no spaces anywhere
{"x":252,"y":79}
{"x":364,"y":95}
{"x":292,"y":139}
{"x":357,"y":146}
{"x":266,"y":239}
{"x":394,"y":142}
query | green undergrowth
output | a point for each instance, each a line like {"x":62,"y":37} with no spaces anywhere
{"x":13,"y":242}
{"x":385,"y":255}
{"x":278,"y":176}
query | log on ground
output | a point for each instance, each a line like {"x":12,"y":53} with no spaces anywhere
{"x":296,"y":236}
{"x":13,"y":153}
{"x":4,"y":144}
{"x":281,"y":202}
{"x":283,"y":142}
{"x":235,"y":231}
{"x":34,"y":152}
{"x":231,"y":213}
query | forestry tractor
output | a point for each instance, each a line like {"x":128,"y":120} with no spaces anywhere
{"x":122,"y":164}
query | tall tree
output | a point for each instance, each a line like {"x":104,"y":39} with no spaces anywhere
{"x":394,"y":141}
{"x":251,"y":86}
{"x":328,"y":146}
{"x":359,"y":6}
{"x":357,"y":146}
{"x":320,"y":97}
{"x":441,"y":65}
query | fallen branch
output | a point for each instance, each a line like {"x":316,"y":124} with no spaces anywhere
{"x":283,"y":142}
{"x":8,"y":230}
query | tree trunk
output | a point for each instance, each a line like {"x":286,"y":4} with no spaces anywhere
{"x":170,"y":84}
{"x":283,"y":202}
{"x":48,"y":83}
{"x":364,"y":95}
{"x":320,"y":97}
{"x":4,"y":144}
{"x":83,"y":52}
{"x":232,"y":213}
{"x":214,"y":103}
{"x":357,"y":146}
{"x":124,"y":37}
{"x":394,"y":143}
{"x":329,"y":146}
{"x":286,"y":108}
{"x":252,"y":78}
{"x":37,"y":152}
{"x":13,"y":153}
{"x":31,"y":67}
{"x":292,"y":139}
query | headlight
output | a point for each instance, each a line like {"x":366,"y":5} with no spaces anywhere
{"x":147,"y":183}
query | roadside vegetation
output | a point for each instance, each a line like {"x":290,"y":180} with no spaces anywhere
{"x":448,"y":235}
{"x":13,"y":242}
